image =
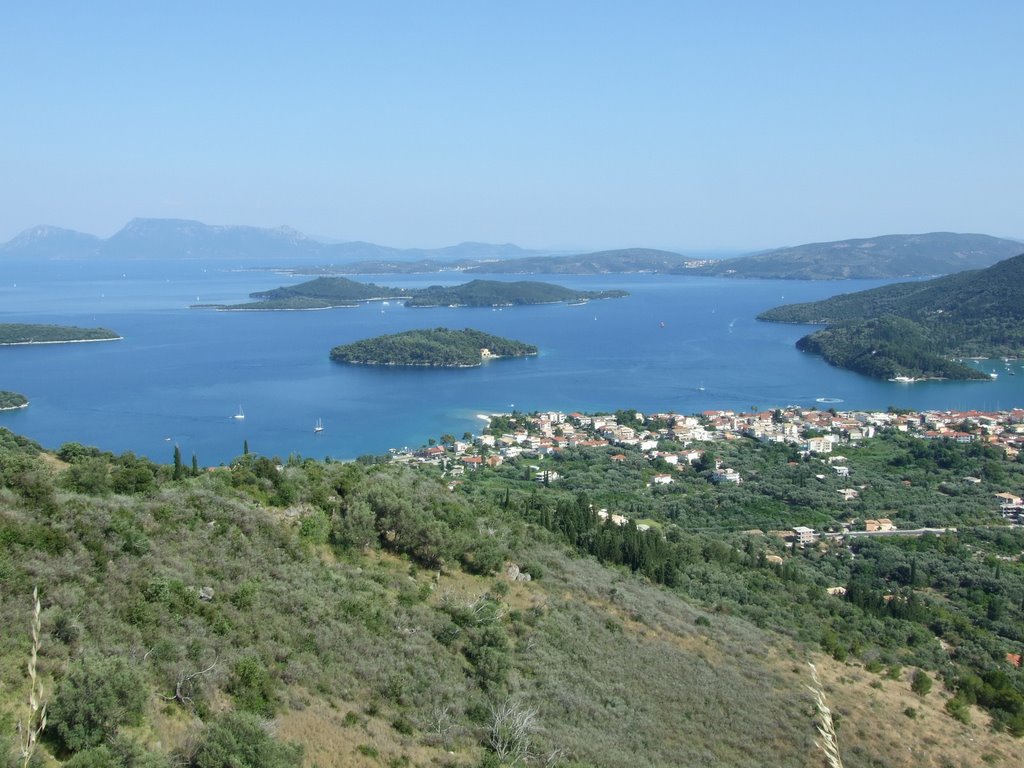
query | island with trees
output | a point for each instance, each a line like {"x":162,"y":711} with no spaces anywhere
{"x":436,"y":348}
{"x":331,"y":292}
{"x":10,"y":401}
{"x":915,"y":329}
{"x":31,"y":333}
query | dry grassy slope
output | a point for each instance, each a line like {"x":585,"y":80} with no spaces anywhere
{"x":726,"y":683}
{"x":873,"y":729}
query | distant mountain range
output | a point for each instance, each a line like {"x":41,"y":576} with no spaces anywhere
{"x":912,"y":329}
{"x":889,"y":256}
{"x":180,"y":238}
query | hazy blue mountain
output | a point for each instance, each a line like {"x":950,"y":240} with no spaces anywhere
{"x":45,"y":242}
{"x":888,"y":256}
{"x":369,"y":258}
{"x":177,"y":238}
{"x":472,"y":250}
{"x":181,"y":238}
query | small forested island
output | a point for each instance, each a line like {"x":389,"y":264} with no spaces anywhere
{"x":9,"y":401}
{"x":31,"y":333}
{"x":321,"y":293}
{"x":330,"y":292}
{"x":437,"y":348}
{"x":914,"y":329}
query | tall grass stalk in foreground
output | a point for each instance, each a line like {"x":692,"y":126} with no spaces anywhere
{"x":828,"y":744}
{"x":29,"y":731}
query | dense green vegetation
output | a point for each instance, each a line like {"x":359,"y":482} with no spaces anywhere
{"x":25,"y":333}
{"x":437,"y":347}
{"x":12,"y":400}
{"x":363,"y":606}
{"x":326,"y":292}
{"x":970,"y":314}
{"x":489,"y":293}
{"x":889,"y":256}
{"x":884,"y":348}
{"x":331,"y":291}
{"x":179,"y":613}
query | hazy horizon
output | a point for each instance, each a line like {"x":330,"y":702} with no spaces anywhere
{"x":571,"y":126}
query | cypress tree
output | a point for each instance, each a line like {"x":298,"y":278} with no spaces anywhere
{"x":177,"y":463}
{"x":195,"y":466}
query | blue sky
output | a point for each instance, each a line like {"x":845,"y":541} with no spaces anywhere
{"x":683,"y":125}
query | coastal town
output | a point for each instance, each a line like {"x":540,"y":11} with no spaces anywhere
{"x":676,"y":443}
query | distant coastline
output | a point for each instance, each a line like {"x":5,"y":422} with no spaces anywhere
{"x":243,"y":308}
{"x":61,"y":341}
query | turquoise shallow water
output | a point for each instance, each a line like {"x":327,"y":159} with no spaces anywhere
{"x":676,"y":343}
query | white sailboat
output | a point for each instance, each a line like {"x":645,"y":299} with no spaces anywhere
{"x":240,"y":415}
{"x":319,"y":426}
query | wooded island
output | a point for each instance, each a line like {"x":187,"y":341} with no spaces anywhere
{"x":437,"y":348}
{"x":329,"y":292}
{"x":30,"y":333}
{"x":9,"y":401}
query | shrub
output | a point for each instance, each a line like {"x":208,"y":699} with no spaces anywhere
{"x":483,"y":556}
{"x":94,"y":699}
{"x":315,"y":527}
{"x":97,"y":757}
{"x":252,"y":686}
{"x":239,"y":740}
{"x":959,"y":709}
{"x":922,"y":684}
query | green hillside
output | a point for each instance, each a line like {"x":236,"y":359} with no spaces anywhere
{"x":970,"y":314}
{"x":885,"y":348}
{"x":364,"y":596}
{"x":364,"y":609}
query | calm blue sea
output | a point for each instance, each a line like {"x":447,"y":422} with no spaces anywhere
{"x":676,"y":343}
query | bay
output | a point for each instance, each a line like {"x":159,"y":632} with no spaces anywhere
{"x":179,"y":375}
